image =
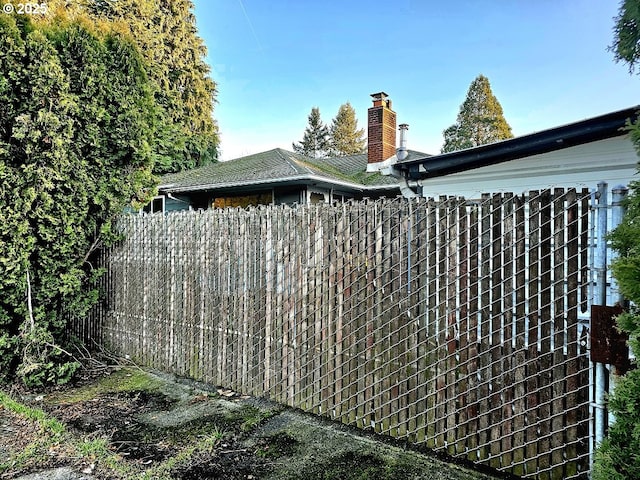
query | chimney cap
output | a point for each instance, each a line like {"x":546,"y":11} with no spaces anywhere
{"x":380,"y":96}
{"x":403,"y":126}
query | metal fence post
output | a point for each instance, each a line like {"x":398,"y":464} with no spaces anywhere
{"x":600,"y":298}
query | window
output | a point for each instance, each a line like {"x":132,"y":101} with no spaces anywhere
{"x":316,"y":197}
{"x":155,"y":206}
{"x":243,"y":201}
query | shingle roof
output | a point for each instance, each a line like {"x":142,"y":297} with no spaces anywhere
{"x":279,"y":166}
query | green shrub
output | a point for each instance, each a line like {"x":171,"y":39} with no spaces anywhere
{"x":618,"y":457}
{"x":77,"y":117}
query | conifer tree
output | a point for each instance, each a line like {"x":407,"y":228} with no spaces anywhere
{"x":166,"y":35}
{"x":345,"y":136}
{"x":617,"y":456}
{"x":77,"y":120}
{"x":480,"y":120}
{"x":315,"y":140}
{"x":626,"y":32}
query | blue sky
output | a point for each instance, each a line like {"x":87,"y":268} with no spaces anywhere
{"x":274,"y":60}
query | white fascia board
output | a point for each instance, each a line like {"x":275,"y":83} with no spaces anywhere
{"x":383,"y":167}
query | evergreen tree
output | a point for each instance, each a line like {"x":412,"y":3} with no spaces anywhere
{"x":480,"y":120}
{"x":617,"y":457}
{"x":626,"y":33}
{"x":315,"y":140}
{"x":77,"y":119}
{"x":344,"y":136}
{"x":166,"y":34}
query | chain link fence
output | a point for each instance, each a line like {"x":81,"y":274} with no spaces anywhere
{"x":452,"y":323}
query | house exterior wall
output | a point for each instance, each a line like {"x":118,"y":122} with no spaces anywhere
{"x":612,"y":160}
{"x":177,"y":203}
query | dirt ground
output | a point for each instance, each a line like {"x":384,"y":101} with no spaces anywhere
{"x":142,"y":425}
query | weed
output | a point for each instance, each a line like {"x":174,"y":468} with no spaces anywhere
{"x":250,"y":417}
{"x":91,"y":449}
{"x":98,"y":452}
{"x":214,"y":438}
{"x":31,"y":454}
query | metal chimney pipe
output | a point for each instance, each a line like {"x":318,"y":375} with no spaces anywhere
{"x":402,"y":152}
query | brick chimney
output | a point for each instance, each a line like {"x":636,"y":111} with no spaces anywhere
{"x":382,"y":129}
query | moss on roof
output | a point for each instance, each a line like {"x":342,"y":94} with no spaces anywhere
{"x":277,"y":165}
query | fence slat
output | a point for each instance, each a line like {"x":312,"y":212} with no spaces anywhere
{"x":462,"y":382}
{"x":442,"y":326}
{"x":508,"y":363}
{"x":533,"y":367}
{"x":546,"y":333}
{"x":559,"y":331}
{"x":520,"y":370}
{"x":497,"y":329}
{"x":474,"y":276}
{"x":431,"y":320}
{"x":453,"y":327}
{"x":484,"y":408}
{"x":571,"y":379}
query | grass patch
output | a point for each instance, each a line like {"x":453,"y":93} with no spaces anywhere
{"x":205,"y":445}
{"x":121,"y":381}
{"x":98,"y":453}
{"x":53,"y":439}
{"x":50,"y":425}
{"x":32,"y":454}
{"x":92,"y":449}
{"x":50,"y":433}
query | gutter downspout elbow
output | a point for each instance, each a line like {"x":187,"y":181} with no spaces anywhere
{"x":389,"y":169}
{"x":406,"y":189}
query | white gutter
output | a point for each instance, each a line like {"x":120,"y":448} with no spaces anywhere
{"x":387,"y":168}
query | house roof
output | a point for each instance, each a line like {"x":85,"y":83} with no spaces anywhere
{"x":280,"y":167}
{"x":585,"y":131}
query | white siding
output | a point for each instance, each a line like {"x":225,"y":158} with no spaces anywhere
{"x":613,"y":160}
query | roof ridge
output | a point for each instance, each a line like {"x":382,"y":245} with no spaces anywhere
{"x":329,"y":170}
{"x":293,"y":162}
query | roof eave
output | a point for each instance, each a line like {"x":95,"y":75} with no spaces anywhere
{"x":593,"y":129}
{"x":283,"y":181}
